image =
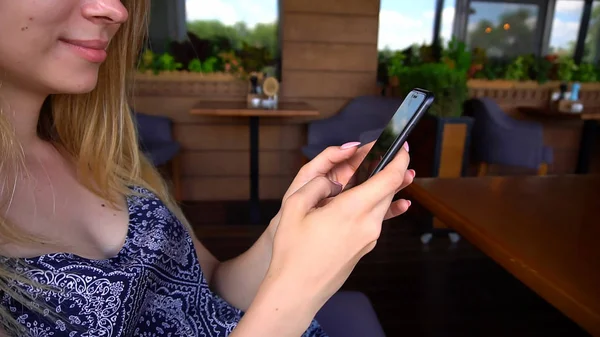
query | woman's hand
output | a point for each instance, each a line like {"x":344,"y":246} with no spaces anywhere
{"x":316,"y":247}
{"x":338,"y":164}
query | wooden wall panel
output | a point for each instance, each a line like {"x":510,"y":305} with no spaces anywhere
{"x":232,"y":187}
{"x":340,"y":29}
{"x":327,"y":106}
{"x":329,"y":49}
{"x":236,"y":137}
{"x":338,"y":7}
{"x":235,"y":163}
{"x":330,"y":56}
{"x":309,"y":83}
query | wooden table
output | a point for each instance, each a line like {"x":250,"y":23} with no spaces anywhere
{"x":590,"y":120}
{"x":242,"y":109}
{"x":544,"y":230}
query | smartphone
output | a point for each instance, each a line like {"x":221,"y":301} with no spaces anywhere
{"x":380,"y":146}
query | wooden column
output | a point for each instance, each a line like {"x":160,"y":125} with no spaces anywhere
{"x":329,"y":51}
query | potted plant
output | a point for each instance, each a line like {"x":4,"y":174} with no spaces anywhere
{"x":164,"y":74}
{"x":395,"y":66}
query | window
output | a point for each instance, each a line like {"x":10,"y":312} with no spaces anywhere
{"x":248,"y":29}
{"x":447,"y":21}
{"x":401,"y":26}
{"x":503,"y":29}
{"x":565,"y":27}
{"x":592,"y":40}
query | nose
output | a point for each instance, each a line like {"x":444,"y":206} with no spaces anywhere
{"x":104,"y":11}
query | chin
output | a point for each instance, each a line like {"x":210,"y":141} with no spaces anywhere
{"x":80,"y":83}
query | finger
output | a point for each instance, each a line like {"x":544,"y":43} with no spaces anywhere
{"x":398,"y":207}
{"x":384,"y":184}
{"x":310,"y":195}
{"x":360,"y":155}
{"x":409,"y":176}
{"x":328,"y":159}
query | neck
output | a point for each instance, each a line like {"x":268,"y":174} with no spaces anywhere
{"x":22,"y":109}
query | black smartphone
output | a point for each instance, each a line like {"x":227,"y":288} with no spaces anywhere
{"x":380,"y":146}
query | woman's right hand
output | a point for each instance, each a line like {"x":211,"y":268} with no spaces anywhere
{"x":316,"y":248}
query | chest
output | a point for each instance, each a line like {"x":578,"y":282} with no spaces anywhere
{"x":50,"y":203}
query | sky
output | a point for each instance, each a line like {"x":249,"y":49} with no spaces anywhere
{"x":399,"y":25}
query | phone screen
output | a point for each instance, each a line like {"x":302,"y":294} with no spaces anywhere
{"x":376,"y":143}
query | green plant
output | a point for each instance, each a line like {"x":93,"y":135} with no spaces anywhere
{"x":166,"y":62}
{"x":158,"y":63}
{"x":208,"y":66}
{"x":195,"y":66}
{"x":254,"y":58}
{"x":518,"y":69}
{"x":566,"y":69}
{"x":146,"y":61}
{"x":542,"y":68}
{"x":586,"y":72}
{"x":395,"y":64}
{"x":457,"y":55}
{"x":449,"y":85}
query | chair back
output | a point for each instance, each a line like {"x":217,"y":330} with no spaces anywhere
{"x":361,"y":114}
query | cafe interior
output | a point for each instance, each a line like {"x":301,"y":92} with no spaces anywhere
{"x":233,"y":97}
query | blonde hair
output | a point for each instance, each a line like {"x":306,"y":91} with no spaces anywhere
{"x":98,"y":131}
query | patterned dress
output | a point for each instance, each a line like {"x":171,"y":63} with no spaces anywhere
{"x":153,"y":287}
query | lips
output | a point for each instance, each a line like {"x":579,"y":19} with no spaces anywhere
{"x":91,"y":50}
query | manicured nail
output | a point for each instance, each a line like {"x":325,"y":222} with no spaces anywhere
{"x":349,"y":145}
{"x":406,"y":146}
{"x":413,"y":172}
{"x":409,"y":203}
{"x":338,"y":188}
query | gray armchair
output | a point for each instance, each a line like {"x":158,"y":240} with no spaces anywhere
{"x":157,"y":142}
{"x":353,"y":123}
{"x":498,"y":138}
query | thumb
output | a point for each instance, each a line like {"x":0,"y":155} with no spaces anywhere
{"x":310,"y":195}
{"x":331,"y":156}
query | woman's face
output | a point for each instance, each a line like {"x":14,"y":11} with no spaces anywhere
{"x":56,"y":46}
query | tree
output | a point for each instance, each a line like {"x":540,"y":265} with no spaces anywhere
{"x":263,"y":35}
{"x":510,"y":37}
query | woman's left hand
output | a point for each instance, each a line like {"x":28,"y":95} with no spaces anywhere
{"x":338,"y":163}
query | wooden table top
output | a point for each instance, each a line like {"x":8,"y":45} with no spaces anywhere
{"x":544,"y":230}
{"x":242,"y":109}
{"x":593,"y":113}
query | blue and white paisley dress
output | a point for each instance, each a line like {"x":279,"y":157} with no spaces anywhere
{"x":153,"y":287}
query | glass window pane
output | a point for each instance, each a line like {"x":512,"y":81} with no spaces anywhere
{"x":447,"y":21}
{"x":503,"y":30}
{"x":401,"y":26}
{"x":228,"y":25}
{"x":592,"y":40}
{"x":565,"y":27}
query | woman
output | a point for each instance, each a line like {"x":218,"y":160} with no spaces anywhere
{"x":91,"y":242}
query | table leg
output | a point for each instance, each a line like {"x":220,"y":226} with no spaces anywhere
{"x":588,"y":138}
{"x":254,"y":161}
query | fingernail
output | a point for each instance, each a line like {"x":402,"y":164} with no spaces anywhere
{"x":413,"y":172}
{"x":409,"y":203}
{"x":349,"y":145}
{"x":338,"y":187}
{"x":406,"y":146}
